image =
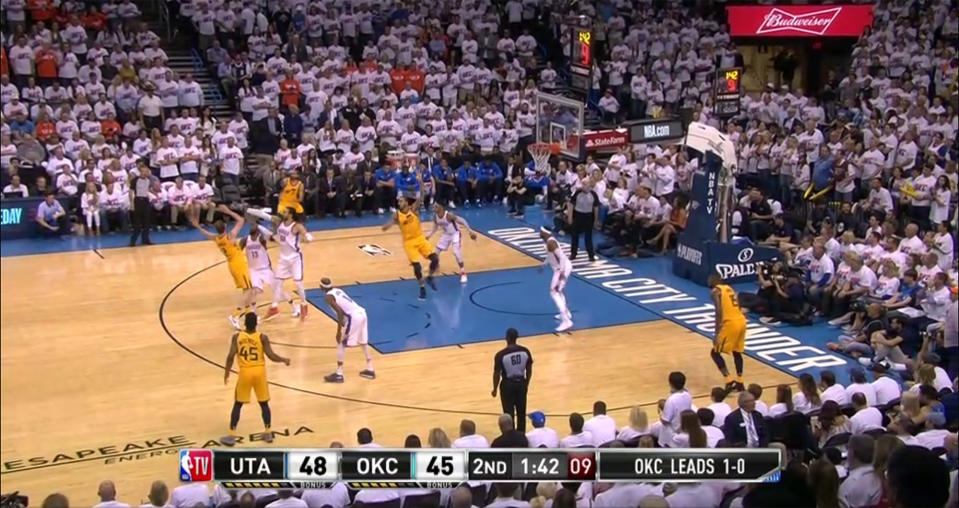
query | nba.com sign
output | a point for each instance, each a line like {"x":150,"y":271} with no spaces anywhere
{"x":799,"y":20}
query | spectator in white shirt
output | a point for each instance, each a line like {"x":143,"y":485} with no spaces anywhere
{"x":468,"y":436}
{"x":708,"y":423}
{"x":638,"y":425}
{"x":887,"y":389}
{"x":862,"y":487}
{"x":866,"y":417}
{"x":287,"y":500}
{"x":108,"y":496}
{"x":336,"y":497}
{"x":15,"y":188}
{"x":832,"y":390}
{"x":859,"y":385}
{"x":578,"y":437}
{"x":190,"y":495}
{"x":719,"y":407}
{"x":609,"y":106}
{"x":158,"y":496}
{"x":601,"y":426}
{"x":678,"y":401}
{"x":541,"y":436}
{"x":505,"y":493}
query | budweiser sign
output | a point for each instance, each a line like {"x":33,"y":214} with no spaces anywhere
{"x":799,"y":21}
{"x":603,"y":140}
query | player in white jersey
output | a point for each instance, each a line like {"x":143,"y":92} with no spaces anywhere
{"x":450,"y":224}
{"x":261,"y":269}
{"x":562,"y":268}
{"x":288,"y":234}
{"x":351,"y":329}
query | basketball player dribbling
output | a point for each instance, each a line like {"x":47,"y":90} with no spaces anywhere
{"x":450,"y":224}
{"x":289,"y":232}
{"x":730,"y":331}
{"x":251,"y":348}
{"x":351,"y":330}
{"x":261,"y":269}
{"x":562,"y":268}
{"x":236,"y":260}
{"x":415,"y":244}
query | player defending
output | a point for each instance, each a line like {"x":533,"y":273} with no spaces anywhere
{"x":351,"y":330}
{"x":289,"y":232}
{"x":562,"y":267}
{"x":730,"y":331}
{"x":236,"y":261}
{"x":450,"y":224}
{"x":414,"y":243}
{"x":261,"y":270}
{"x":250,"y":346}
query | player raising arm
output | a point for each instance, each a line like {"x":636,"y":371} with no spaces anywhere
{"x":236,"y":260}
{"x":415,"y":244}
{"x":251,"y":346}
{"x":289,"y":232}
{"x":450,"y":224}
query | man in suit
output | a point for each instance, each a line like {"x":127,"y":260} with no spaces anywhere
{"x":332,"y":195}
{"x":265,"y":134}
{"x":746,"y":426}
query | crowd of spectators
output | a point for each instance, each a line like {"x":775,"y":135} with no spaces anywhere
{"x":860,"y":445}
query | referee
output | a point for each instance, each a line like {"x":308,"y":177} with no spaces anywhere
{"x":584,"y":216}
{"x":512,"y":370}
{"x":142,"y":211}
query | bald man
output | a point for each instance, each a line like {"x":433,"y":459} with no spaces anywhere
{"x":108,"y":496}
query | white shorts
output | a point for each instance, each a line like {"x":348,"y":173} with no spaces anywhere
{"x":356,"y":332}
{"x":560,"y":277}
{"x":262,"y":278}
{"x":449,"y":239}
{"x":290,"y":266}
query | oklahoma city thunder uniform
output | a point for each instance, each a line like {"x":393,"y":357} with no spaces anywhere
{"x":561,"y":266}
{"x":236,"y":261}
{"x":258,"y":259}
{"x":731,"y":336}
{"x":252,"y":368}
{"x":289,"y":196}
{"x":414,"y":243}
{"x":451,"y":233}
{"x":356,"y":332}
{"x":290,"y":264}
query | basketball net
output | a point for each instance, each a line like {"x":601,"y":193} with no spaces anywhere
{"x":540,"y":153}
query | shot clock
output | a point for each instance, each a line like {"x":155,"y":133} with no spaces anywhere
{"x":727,"y":94}
{"x":447,"y":468}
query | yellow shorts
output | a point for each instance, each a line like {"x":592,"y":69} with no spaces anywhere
{"x":418,"y":248}
{"x":241,"y":276}
{"x":731,"y":338}
{"x":252,"y":378}
{"x":289,"y":204}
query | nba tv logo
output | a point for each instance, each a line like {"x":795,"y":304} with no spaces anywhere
{"x":196,"y":465}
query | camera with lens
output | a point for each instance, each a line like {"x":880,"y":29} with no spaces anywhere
{"x":770,"y":270}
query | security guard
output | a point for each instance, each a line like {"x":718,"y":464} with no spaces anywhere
{"x":512,"y":371}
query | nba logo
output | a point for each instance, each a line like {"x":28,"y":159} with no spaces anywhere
{"x":196,"y":465}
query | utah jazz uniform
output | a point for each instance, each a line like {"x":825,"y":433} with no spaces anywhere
{"x":731,"y":336}
{"x":414,"y":243}
{"x":290,"y":196}
{"x":236,"y":261}
{"x":252,"y":369}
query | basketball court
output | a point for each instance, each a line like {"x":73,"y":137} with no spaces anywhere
{"x":112,"y":357}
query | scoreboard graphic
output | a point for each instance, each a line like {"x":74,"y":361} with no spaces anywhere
{"x":447,"y":468}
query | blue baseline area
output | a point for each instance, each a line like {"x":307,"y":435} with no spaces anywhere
{"x":478,"y":311}
{"x":488,"y":219}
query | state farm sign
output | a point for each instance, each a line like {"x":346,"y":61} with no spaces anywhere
{"x":799,"y":20}
{"x":605,"y":140}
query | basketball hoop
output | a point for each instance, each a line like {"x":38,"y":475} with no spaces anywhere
{"x":541,"y":153}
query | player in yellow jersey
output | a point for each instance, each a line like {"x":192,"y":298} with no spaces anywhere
{"x":251,"y":348}
{"x":235,"y":259}
{"x":415,"y":243}
{"x":291,"y":195}
{"x":730,"y":331}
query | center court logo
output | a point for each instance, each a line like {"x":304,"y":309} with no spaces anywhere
{"x":374,"y":250}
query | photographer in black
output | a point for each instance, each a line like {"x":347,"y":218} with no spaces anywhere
{"x":781,"y":295}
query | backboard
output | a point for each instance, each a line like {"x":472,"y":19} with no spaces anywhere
{"x":560,"y":120}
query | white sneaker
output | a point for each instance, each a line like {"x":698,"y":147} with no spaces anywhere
{"x":296,"y":310}
{"x":505,"y":201}
{"x":865,"y":361}
{"x":564,"y":325}
{"x":842,"y":320}
{"x":463,"y":278}
{"x":379,"y":211}
{"x":452,"y":206}
{"x":898,"y":367}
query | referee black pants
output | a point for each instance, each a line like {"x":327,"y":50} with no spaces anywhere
{"x":141,"y":220}
{"x":513,"y":396}
{"x":582,"y":224}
